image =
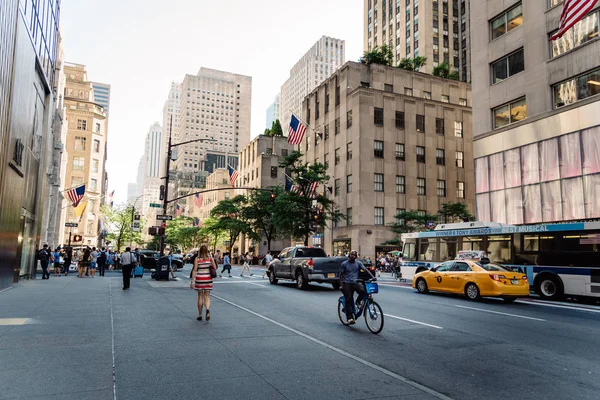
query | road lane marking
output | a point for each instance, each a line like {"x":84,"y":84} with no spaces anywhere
{"x":112,"y":337}
{"x":342,"y":352}
{"x":413,"y":321}
{"x":399,"y":285}
{"x":500,"y":313}
{"x":568,"y":307}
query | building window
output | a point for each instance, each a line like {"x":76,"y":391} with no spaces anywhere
{"x":349,"y":184}
{"x":460,"y":159}
{"x":78,"y":163}
{"x":349,"y":216}
{"x":269,"y":151}
{"x":348,"y":119}
{"x":326,"y":132}
{"x":337,"y":126}
{"x":97,"y":127}
{"x":378,"y":182}
{"x":460,"y":190}
{"x":378,"y":149}
{"x":399,"y":120}
{"x":337,"y":95}
{"x":284,"y":152}
{"x":439,"y":126}
{"x":81,"y":124}
{"x":420,"y":123}
{"x":408,"y":91}
{"x":336,"y":187}
{"x":462,"y":102}
{"x":325,"y":161}
{"x":510,"y":113}
{"x":400,"y":184}
{"x":440,"y":157}
{"x":427,"y":95}
{"x":95,"y":166}
{"x":378,"y":119}
{"x":458,"y":128}
{"x":507,"y":21}
{"x":79,"y":143}
{"x":388,"y":88}
{"x":379,"y":216}
{"x":441,"y":188}
{"x":582,"y":32}
{"x":93,"y":184}
{"x":349,"y":151}
{"x":96,"y":146}
{"x":508,"y":66}
{"x":400,"y":151}
{"x":445,"y":98}
{"x":421,"y":186}
{"x":578,"y":88}
{"x":337,"y":156}
{"x":227,"y":195}
{"x":420,"y":154}
{"x":273,"y":172}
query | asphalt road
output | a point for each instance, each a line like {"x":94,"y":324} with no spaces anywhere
{"x":70,"y":338}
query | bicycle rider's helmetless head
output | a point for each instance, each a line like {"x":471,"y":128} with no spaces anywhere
{"x":352,"y":255}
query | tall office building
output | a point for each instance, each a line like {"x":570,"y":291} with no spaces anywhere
{"x":536,"y":108}
{"x":102,"y":95}
{"x":170,"y":122}
{"x":28,"y":50}
{"x":213,"y":105}
{"x":273,"y":111}
{"x":152,"y":147}
{"x":318,"y":64}
{"x":392,"y":140}
{"x":86,"y":146}
{"x":438,"y":30}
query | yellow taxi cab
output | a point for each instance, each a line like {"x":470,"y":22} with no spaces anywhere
{"x":474,"y":278}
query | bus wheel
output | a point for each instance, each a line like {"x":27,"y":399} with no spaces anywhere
{"x":549,"y":287}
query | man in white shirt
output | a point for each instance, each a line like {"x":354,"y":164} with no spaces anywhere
{"x":268,"y":259}
{"x":128,"y":261}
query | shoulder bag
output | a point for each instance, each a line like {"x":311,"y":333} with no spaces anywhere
{"x":213,"y":268}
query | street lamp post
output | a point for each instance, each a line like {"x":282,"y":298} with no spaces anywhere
{"x":169,"y":154}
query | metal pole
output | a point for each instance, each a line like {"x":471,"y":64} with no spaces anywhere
{"x":165,"y":200}
{"x":131,"y":226}
{"x":70,"y":230}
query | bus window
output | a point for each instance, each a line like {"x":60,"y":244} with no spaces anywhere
{"x":408,"y":251}
{"x":472,"y":243}
{"x":580,"y":242}
{"x":499,"y":249}
{"x":427,"y":250}
{"x":531,"y":243}
{"x":447,"y":249}
{"x":547,"y":242}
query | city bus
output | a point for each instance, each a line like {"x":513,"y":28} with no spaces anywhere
{"x":560,"y":259}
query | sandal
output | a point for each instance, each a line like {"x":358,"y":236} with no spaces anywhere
{"x":207,"y":315}
{"x":199,"y":318}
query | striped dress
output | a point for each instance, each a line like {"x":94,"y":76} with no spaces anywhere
{"x":203,"y":278}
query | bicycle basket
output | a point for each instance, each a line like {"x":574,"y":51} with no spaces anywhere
{"x":372,"y":287}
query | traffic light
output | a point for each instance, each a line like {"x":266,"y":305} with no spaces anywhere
{"x":161,"y":230}
{"x":152,"y":231}
{"x":77,"y":238}
{"x":162,"y":192}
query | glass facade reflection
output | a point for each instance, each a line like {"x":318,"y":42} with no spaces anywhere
{"x":552,"y":180}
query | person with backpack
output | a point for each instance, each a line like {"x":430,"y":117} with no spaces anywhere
{"x":56,"y":261}
{"x":43,"y":255}
{"x":102,"y":261}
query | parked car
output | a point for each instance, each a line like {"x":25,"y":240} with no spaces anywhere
{"x":305,"y":265}
{"x":149,"y":259}
{"x":176,"y":261}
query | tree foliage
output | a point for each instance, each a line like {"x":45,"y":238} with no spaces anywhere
{"x":229,"y":218}
{"x":455,"y":212}
{"x":212,"y":233}
{"x":119,"y":220}
{"x":182,"y":235}
{"x":411,"y":221}
{"x":412,"y":64}
{"x":383,"y":55}
{"x":443,"y":71}
{"x":259,"y":212}
{"x":275,"y":129}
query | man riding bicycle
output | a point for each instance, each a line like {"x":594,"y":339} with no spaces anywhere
{"x":348,"y":283}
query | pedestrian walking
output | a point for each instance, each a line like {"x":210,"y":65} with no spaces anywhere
{"x":128,"y":262}
{"x":117,"y":260}
{"x":85,"y":262}
{"x":247,"y":260}
{"x":202,"y":280}
{"x":68,"y":259}
{"x":267,"y":260}
{"x":43,"y":255}
{"x":56,"y":261}
{"x":102,"y":257}
{"x":94,"y":262}
{"x":226,"y":265}
{"x":110,"y":260}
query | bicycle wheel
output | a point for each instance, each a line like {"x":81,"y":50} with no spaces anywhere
{"x":373,"y":317}
{"x":342,"y":314}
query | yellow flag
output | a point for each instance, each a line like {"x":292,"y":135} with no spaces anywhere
{"x":80,"y":208}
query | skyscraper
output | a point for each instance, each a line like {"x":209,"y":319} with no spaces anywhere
{"x":438,"y":30}
{"x":102,"y":95}
{"x":152,"y":148}
{"x":318,"y":64}
{"x":273,"y":111}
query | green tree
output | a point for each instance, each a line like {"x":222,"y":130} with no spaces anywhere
{"x":259,"y":212}
{"x":276,"y":129}
{"x":383,"y":55}
{"x":118,"y":219}
{"x":411,"y":221}
{"x":181,"y":234}
{"x":212,"y":233}
{"x":294,"y":211}
{"x":443,"y":71}
{"x":228,"y":214}
{"x":267,"y":132}
{"x":455,"y":212}
{"x":412,"y":64}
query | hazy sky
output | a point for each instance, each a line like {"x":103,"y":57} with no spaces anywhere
{"x":141,"y":46}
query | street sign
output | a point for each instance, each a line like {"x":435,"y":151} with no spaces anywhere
{"x":71,"y":224}
{"x":136,"y":226}
{"x":155,"y":205}
{"x":136,"y":217}
{"x":164,"y":217}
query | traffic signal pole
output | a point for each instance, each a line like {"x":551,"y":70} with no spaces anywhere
{"x":165,"y":199}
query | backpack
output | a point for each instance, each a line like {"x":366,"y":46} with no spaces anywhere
{"x":43,"y":255}
{"x":102,"y":258}
{"x":264,"y":261}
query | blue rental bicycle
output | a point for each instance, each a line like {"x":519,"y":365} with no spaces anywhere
{"x":369,"y":307}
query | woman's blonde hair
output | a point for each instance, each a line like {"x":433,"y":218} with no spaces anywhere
{"x":203,"y":252}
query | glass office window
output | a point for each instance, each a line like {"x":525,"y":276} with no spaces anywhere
{"x":580,"y":33}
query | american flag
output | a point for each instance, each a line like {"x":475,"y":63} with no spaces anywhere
{"x":233,"y":174}
{"x":76,"y":194}
{"x":178,"y":210}
{"x":296,"y":131}
{"x":572,"y":12}
{"x":312,"y":190}
{"x":198,"y":200}
{"x":110,"y":198}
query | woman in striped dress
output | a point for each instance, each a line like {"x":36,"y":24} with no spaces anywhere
{"x":202,"y":281}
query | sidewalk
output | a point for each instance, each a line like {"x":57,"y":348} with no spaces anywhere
{"x":70,"y":338}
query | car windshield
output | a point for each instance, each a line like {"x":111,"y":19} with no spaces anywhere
{"x":494,"y":267}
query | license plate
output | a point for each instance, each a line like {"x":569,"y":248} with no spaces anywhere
{"x":514,"y":281}
{"x":331,"y":275}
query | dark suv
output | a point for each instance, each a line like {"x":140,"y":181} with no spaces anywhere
{"x":149,"y":259}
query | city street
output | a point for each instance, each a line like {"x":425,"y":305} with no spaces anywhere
{"x":88,"y":339}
